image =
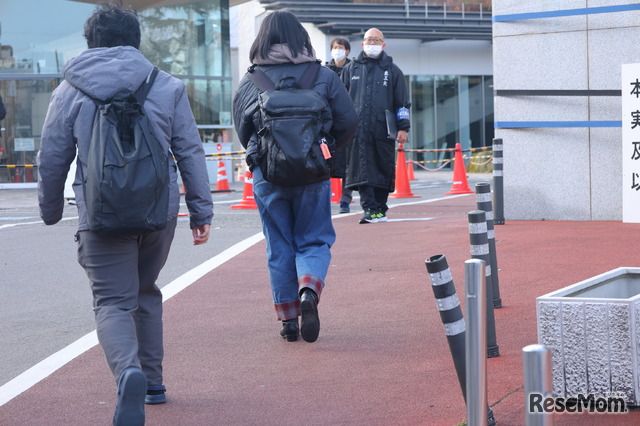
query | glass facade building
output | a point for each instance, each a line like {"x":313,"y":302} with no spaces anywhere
{"x":189,"y":40}
{"x":447,"y":110}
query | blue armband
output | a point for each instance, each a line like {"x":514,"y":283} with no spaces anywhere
{"x":402,"y":114}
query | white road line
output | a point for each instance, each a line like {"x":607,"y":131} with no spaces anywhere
{"x":11,"y":225}
{"x":48,"y":366}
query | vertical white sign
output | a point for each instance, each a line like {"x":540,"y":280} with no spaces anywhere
{"x":631,"y":143}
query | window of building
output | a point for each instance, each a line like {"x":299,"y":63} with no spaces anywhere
{"x":447,"y":110}
{"x":188,"y":40}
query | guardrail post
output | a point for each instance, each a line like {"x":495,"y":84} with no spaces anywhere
{"x":476,"y":363}
{"x":537,"y":381}
{"x":483,"y":199}
{"x":497,"y":182}
{"x":480,"y":250}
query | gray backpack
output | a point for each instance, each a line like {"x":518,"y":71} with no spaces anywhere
{"x":126,"y":185}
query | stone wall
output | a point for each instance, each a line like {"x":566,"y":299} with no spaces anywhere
{"x":567,"y":165}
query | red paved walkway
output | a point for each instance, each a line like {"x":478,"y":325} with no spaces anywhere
{"x":382,"y":357}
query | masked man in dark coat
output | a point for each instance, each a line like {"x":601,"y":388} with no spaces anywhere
{"x":376,"y":85}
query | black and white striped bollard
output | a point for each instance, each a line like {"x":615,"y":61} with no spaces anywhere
{"x":498,"y":185}
{"x":452,"y":319}
{"x":483,"y":199}
{"x":450,"y":312}
{"x":480,"y":250}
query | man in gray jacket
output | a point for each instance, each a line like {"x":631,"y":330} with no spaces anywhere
{"x":122,"y":270}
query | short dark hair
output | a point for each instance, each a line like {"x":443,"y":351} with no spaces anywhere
{"x":280,"y":27}
{"x":111,"y":25}
{"x":342,"y":42}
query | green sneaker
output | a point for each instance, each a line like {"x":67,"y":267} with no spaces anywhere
{"x":369,"y":217}
{"x":381,"y":217}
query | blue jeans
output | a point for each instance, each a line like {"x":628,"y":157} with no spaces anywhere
{"x":297,"y":225}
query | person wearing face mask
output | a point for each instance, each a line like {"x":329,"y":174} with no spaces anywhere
{"x":376,"y":85}
{"x":340,"y":49}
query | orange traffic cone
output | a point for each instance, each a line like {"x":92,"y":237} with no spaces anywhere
{"x":222,"y":181}
{"x":248,"y":201}
{"x":240,"y":173}
{"x":460,"y":185}
{"x":336,"y":190}
{"x":403,"y":188}
{"x":17,"y":177}
{"x":410,"y":174}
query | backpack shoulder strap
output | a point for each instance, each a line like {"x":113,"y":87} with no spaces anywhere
{"x":309,"y":76}
{"x":260,"y":79}
{"x":142,"y":91}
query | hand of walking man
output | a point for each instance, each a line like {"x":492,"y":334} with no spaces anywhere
{"x":200,"y":234}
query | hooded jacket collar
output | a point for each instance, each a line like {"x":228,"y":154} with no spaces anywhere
{"x":100,"y":72}
{"x":281,"y":54}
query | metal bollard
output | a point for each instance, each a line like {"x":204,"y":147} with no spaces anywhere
{"x":476,"y":337}
{"x":480,"y":250}
{"x":452,"y":319}
{"x":483,"y":200}
{"x":497,"y":182}
{"x":538,"y":383}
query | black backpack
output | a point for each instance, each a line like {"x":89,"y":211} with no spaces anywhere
{"x":126,"y":186}
{"x":293,"y":148}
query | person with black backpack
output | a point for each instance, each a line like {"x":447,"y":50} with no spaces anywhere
{"x":133,"y":129}
{"x":291,"y":114}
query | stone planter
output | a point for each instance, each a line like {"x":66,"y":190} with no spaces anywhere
{"x":592,"y":330}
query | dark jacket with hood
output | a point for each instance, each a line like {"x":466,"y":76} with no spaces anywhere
{"x":333,"y":67}
{"x":69,"y":122}
{"x":375,"y":85}
{"x":341,"y":120}
{"x":340,"y":160}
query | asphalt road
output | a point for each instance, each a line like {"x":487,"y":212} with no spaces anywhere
{"x":45,"y":300}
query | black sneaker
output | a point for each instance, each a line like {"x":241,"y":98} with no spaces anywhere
{"x":369,"y":217}
{"x":156,"y":394}
{"x":131,"y":394}
{"x":344,"y":208}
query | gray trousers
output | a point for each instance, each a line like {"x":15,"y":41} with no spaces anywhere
{"x":126,"y":300}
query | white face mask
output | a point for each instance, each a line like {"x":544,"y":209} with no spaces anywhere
{"x":338,"y":54}
{"x":372,"y":50}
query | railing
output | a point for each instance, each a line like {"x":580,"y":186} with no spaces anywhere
{"x":451,"y":5}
